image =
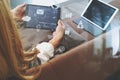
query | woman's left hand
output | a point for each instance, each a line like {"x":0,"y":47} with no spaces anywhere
{"x":19,"y":11}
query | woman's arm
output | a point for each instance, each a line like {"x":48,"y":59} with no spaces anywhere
{"x":58,"y":34}
{"x":47,"y":48}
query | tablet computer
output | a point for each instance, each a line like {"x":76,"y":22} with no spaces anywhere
{"x":41,"y":17}
{"x":96,"y":17}
{"x":99,"y":13}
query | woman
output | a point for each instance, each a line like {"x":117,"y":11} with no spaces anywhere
{"x":13,"y":59}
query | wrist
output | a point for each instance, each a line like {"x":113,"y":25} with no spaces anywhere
{"x":46,"y":51}
{"x":55,"y":42}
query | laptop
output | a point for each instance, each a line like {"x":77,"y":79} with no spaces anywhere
{"x":96,"y":17}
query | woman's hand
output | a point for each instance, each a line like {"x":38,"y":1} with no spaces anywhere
{"x":19,"y":11}
{"x":58,"y":34}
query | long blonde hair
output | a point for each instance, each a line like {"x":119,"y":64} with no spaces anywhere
{"x":10,"y":46}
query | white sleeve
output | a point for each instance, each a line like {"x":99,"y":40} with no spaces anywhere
{"x":46,"y":51}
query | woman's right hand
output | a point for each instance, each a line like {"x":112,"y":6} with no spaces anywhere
{"x":58,"y":34}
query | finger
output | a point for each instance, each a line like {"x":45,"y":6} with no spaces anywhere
{"x":60,"y":23}
{"x":22,"y":5}
{"x":54,"y":33}
{"x":63,"y":25}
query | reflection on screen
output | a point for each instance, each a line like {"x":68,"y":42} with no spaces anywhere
{"x":99,"y":13}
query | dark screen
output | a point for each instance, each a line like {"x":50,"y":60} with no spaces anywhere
{"x":99,"y":13}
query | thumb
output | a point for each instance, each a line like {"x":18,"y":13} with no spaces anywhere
{"x":22,"y":5}
{"x":60,"y":23}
